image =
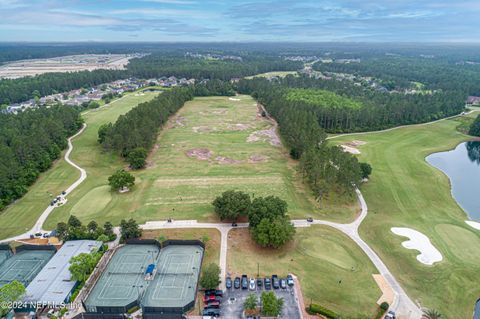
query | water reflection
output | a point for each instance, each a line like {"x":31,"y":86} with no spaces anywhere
{"x":473,"y":150}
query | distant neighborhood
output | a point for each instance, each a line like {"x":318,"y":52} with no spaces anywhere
{"x":83,"y":96}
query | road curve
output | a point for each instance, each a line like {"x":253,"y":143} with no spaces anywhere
{"x":404,"y":307}
{"x":83,"y":175}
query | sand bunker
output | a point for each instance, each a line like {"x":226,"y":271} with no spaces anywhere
{"x":202,"y":154}
{"x":269,"y":135}
{"x":351,"y":147}
{"x":226,"y":160}
{"x":201,"y":129}
{"x":233,"y":99}
{"x":473,"y":224}
{"x":256,"y":158}
{"x":418,"y":241}
{"x":351,"y":150}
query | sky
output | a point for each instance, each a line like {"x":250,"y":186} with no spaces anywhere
{"x":240,"y":20}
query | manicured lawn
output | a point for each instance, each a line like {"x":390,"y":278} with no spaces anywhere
{"x":405,"y":191}
{"x":332,"y":270}
{"x":21,"y":215}
{"x":178,"y":184}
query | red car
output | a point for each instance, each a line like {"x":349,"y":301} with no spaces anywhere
{"x":207,"y":298}
{"x":213,"y":304}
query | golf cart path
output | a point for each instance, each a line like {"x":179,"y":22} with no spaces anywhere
{"x":83,"y":175}
{"x":404,"y":307}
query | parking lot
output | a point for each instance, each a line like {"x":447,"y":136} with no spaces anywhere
{"x":233,"y":299}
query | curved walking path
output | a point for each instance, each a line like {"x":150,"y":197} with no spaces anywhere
{"x":83,"y":175}
{"x":404,"y":307}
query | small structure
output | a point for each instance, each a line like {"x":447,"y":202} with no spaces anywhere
{"x":473,"y":100}
{"x":53,"y":285}
{"x":150,"y":272}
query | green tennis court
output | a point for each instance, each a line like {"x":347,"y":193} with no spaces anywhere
{"x":24,"y":266}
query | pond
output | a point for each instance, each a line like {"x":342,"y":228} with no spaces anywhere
{"x":462,"y":166}
{"x":476,"y":314}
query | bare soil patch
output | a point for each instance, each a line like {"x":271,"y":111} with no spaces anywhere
{"x":269,"y":135}
{"x":226,"y":160}
{"x":202,"y":154}
{"x":202,"y":129}
{"x":238,"y":127}
{"x":257,"y":158}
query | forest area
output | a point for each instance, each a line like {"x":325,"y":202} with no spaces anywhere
{"x":29,"y":143}
{"x":349,"y":108}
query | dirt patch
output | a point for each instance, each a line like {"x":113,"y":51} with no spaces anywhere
{"x":202,"y":154}
{"x":226,"y":160}
{"x":238,"y":127}
{"x":357,"y":143}
{"x":202,"y":129}
{"x":257,"y":158}
{"x":387,"y":291}
{"x":269,"y":135}
{"x":233,"y":99}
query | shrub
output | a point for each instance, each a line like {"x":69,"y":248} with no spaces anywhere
{"x":314,"y":309}
{"x":384,"y":306}
{"x":133,"y":309}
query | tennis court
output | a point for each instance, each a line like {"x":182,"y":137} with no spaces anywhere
{"x":4,"y":255}
{"x":24,"y":266}
{"x":123,"y":283}
{"x":175,"y":283}
{"x":123,"y":280}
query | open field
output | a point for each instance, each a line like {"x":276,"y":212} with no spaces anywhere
{"x":332,"y":270}
{"x":211,"y":145}
{"x":71,"y":63}
{"x":404,"y":191}
{"x":280,"y":74}
{"x":21,"y":215}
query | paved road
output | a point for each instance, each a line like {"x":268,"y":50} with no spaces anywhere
{"x":402,"y":305}
{"x":83,"y":174}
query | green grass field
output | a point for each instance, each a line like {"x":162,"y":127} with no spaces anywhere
{"x":280,"y":74}
{"x":405,"y":191}
{"x":178,"y":184}
{"x":21,"y":216}
{"x":332,"y":270}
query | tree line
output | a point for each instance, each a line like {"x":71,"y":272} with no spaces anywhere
{"x":151,"y":66}
{"x":326,"y":168}
{"x":373,"y":110}
{"x":134,"y":133}
{"x":29,"y":143}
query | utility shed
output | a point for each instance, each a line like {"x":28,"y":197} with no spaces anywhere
{"x":53,"y":285}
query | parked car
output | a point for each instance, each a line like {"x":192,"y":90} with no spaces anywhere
{"x":64,"y":193}
{"x":207,"y":298}
{"x":211,"y":312}
{"x":228,"y":283}
{"x":259,"y":283}
{"x":290,"y":281}
{"x":310,"y":219}
{"x":214,"y":292}
{"x":244,"y":282}
{"x":251,"y":285}
{"x":236,"y":283}
{"x":234,"y":224}
{"x":390,"y":315}
{"x":283,"y":283}
{"x":275,"y":282}
{"x":212,"y":305}
{"x":268,"y":284}
{"x":212,"y":302}
{"x":215,"y":300}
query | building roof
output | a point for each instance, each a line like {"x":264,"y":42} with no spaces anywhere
{"x":53,"y":284}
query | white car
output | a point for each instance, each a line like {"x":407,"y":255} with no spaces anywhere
{"x":251,"y":286}
{"x":390,"y":315}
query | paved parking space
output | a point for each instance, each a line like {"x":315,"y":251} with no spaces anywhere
{"x":233,"y":299}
